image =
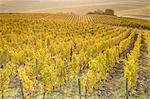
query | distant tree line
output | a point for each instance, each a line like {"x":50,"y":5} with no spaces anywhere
{"x":100,"y":12}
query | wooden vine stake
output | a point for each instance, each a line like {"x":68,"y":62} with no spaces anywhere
{"x":127,"y":91}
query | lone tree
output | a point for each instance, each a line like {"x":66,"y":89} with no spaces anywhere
{"x":109,"y":12}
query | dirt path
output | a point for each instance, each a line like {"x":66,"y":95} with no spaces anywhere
{"x":143,"y":82}
{"x":114,"y":82}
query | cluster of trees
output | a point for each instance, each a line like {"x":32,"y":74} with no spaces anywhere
{"x":100,"y":12}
